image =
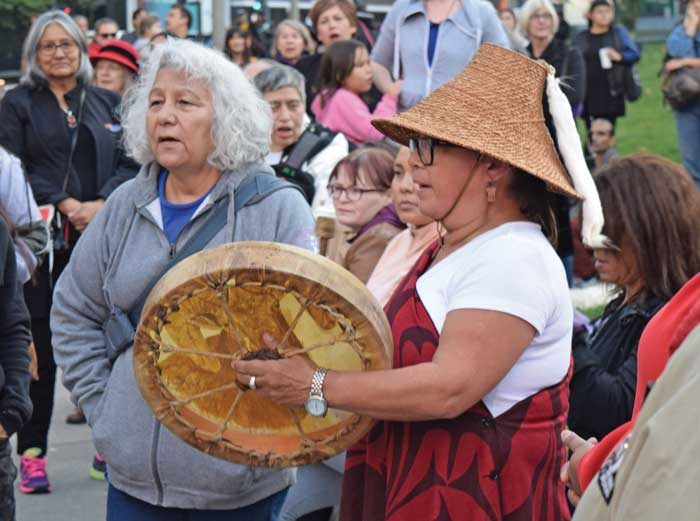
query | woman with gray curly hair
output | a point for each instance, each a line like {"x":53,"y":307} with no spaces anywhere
{"x":201,"y":132}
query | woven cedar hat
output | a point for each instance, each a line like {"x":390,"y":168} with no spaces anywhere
{"x":494,"y":106}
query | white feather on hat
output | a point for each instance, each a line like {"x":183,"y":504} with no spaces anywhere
{"x":570,"y":149}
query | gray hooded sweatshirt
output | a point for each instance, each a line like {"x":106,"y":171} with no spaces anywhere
{"x":122,"y":249}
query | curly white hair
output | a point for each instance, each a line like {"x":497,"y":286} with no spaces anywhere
{"x":242,"y":119}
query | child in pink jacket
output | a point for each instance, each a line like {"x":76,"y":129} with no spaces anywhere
{"x":346,"y":74}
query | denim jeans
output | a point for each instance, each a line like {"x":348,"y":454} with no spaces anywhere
{"x":688,"y":126}
{"x":8,"y":473}
{"x":123,"y":507}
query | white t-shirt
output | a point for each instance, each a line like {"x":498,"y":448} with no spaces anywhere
{"x":512,"y":269}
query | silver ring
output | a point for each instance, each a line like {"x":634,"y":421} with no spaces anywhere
{"x":251,"y":383}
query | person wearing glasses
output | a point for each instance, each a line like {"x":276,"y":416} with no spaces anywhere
{"x":306,"y":161}
{"x":470,"y":416}
{"x":360,"y":188}
{"x":65,"y":132}
{"x":106,"y":29}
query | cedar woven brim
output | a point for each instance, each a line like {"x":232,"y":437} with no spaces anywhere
{"x":494,"y":106}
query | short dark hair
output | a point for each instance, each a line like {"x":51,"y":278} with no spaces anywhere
{"x":336,"y":65}
{"x":137,"y":12}
{"x":183,"y":12}
{"x":652,"y":206}
{"x":612,"y":125}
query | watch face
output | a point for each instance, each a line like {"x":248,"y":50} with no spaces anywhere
{"x":316,"y":406}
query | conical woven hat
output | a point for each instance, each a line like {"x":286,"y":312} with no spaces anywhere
{"x":494,"y":106}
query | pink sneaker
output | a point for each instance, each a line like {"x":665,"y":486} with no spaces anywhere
{"x":32,"y":471}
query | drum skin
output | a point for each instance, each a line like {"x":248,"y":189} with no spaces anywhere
{"x":213,"y":308}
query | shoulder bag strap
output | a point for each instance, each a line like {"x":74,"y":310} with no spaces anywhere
{"x":251,"y":191}
{"x":74,"y":138}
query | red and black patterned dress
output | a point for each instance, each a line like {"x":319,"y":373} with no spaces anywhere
{"x":471,"y":468}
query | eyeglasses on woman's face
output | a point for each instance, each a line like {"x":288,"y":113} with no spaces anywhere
{"x":50,"y":49}
{"x":425,"y":148}
{"x":352,"y":193}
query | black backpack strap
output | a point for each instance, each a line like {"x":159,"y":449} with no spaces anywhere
{"x":119,"y":329}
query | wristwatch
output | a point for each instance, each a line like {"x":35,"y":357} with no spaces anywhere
{"x":316,"y":405}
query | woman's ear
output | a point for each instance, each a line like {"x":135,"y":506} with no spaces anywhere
{"x":495,"y":168}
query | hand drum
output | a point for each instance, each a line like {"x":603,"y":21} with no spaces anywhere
{"x":213,"y":308}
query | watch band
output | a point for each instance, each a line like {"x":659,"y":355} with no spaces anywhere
{"x":317,"y":382}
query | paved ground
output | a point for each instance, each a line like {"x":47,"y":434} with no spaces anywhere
{"x":75,"y":496}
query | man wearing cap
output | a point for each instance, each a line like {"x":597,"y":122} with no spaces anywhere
{"x":116,"y":64}
{"x":470,"y":416}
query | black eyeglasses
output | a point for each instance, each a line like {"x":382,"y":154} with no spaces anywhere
{"x":352,"y":192}
{"x":50,"y":49}
{"x":108,"y":35}
{"x":425,"y":147}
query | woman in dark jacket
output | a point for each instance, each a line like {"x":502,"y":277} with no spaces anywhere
{"x":650,"y":260}
{"x":66,"y":133}
{"x":539,"y":22}
{"x":606,"y":49}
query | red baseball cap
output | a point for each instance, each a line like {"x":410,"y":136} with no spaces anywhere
{"x":120,"y":52}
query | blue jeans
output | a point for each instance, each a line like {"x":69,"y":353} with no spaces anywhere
{"x":123,"y":507}
{"x":688,"y":126}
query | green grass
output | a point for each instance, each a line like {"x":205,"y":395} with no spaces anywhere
{"x":648,"y":125}
{"x":594,"y":312}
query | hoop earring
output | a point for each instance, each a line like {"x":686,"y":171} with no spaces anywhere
{"x":491,"y":192}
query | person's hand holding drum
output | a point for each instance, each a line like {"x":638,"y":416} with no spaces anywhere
{"x":286,"y":382}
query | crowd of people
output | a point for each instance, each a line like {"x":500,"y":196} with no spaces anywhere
{"x":438,"y":161}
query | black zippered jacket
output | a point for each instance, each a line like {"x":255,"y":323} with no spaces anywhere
{"x":32,"y":127}
{"x":15,"y":405}
{"x":605,"y":367}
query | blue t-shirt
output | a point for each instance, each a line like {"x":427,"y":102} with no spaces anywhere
{"x":176,"y":216}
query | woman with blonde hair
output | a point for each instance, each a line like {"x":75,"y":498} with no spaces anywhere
{"x":539,"y":23}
